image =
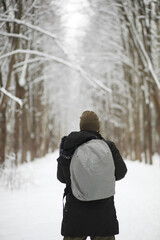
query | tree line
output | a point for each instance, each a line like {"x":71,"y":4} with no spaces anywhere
{"x":24,"y":129}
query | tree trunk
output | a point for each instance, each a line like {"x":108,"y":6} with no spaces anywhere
{"x":2,"y":135}
{"x":2,"y":129}
{"x":18,"y":121}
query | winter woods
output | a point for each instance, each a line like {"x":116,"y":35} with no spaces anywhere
{"x":58,"y":58}
{"x":24,"y":130}
{"x":140,"y":23}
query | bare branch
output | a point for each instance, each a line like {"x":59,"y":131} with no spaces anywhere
{"x":60,"y":60}
{"x":30,"y":26}
{"x":36,"y":28}
{"x":8,"y":94}
{"x":14,"y":35}
{"x":28,"y":61}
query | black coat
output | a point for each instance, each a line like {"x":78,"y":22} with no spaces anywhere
{"x":92,"y":218}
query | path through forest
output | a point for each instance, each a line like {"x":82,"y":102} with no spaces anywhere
{"x":34,"y":210}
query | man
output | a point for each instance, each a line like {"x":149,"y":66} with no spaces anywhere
{"x":96,"y":218}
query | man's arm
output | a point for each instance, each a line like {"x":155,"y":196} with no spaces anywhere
{"x":60,"y":174}
{"x":120,"y":166}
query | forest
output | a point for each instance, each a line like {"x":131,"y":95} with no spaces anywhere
{"x":59,"y":58}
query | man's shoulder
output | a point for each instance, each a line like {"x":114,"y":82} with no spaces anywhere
{"x":110,"y":143}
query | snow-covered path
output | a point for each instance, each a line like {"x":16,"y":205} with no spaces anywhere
{"x":34,"y":211}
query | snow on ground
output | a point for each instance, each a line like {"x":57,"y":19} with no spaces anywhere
{"x":33,"y":211}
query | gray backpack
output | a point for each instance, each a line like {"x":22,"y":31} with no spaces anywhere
{"x":92,"y":171}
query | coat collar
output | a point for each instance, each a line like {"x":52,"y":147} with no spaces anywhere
{"x":74,"y":139}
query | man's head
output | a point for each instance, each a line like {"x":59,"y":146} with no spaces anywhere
{"x":89,"y":121}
